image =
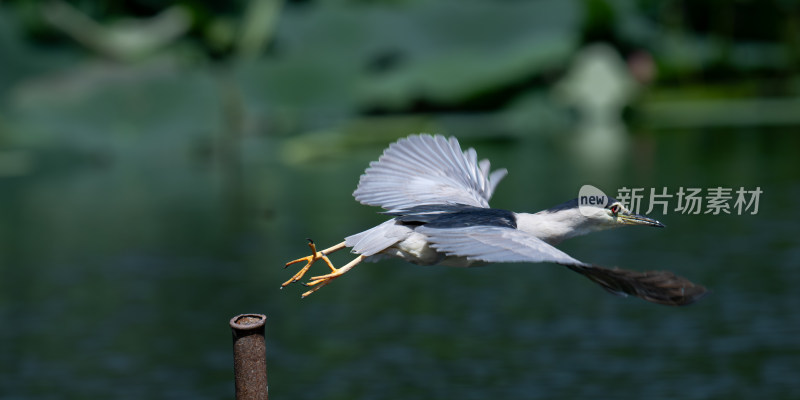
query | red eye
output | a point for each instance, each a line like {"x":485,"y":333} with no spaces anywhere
{"x":615,"y":209}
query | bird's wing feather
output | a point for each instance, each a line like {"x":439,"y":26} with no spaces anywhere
{"x":378,"y":238}
{"x":494,"y":244}
{"x":425,"y":169}
{"x":500,"y":244}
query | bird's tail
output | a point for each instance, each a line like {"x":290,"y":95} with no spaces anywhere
{"x":662,"y":287}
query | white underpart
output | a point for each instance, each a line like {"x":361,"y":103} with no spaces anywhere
{"x":377,"y":239}
{"x":394,"y":240}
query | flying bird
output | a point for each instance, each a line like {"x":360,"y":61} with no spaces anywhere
{"x":437,"y":196}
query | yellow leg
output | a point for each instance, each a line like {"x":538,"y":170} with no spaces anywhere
{"x":310,"y":260}
{"x":319,"y":281}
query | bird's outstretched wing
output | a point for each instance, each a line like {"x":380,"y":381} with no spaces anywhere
{"x":493,"y":244}
{"x":425,"y":169}
{"x":500,"y":244}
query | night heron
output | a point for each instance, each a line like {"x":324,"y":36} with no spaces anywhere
{"x":438,"y":198}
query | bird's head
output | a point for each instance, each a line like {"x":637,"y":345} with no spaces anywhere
{"x":614,"y":214}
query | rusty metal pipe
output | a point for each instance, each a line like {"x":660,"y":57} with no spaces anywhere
{"x":249,"y":357}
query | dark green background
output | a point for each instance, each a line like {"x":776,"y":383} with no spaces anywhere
{"x":146,"y":197}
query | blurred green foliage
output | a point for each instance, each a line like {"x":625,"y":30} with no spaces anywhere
{"x":282,"y":68}
{"x":406,"y":56}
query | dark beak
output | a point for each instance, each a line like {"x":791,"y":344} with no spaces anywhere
{"x":635,"y":219}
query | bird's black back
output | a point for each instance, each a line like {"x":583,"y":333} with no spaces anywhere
{"x":445,"y":216}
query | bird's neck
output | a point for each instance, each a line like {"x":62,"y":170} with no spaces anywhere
{"x":553,"y":227}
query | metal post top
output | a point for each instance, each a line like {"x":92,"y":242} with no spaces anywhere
{"x":248,"y":321}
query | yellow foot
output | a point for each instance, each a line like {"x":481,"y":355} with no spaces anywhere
{"x":318,"y":282}
{"x":310,"y":260}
